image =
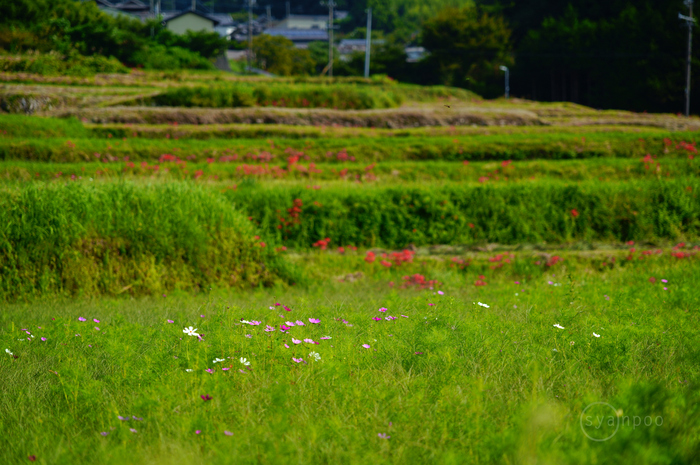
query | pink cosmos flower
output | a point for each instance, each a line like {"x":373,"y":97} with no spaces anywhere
{"x":243,"y":371}
{"x":377,"y":318}
{"x":81,"y":319}
{"x":384,"y":436}
{"x":314,"y":320}
{"x":431,"y":304}
{"x":284,"y":328}
{"x":287,"y":308}
{"x":209,"y":370}
{"x":205,"y":397}
{"x":309,"y":341}
{"x":95,"y":320}
{"x":389,"y":318}
{"x":43,"y":339}
{"x":202,"y":316}
{"x":300,"y":323}
{"x":254,"y":323}
{"x":96,"y":328}
{"x":325,"y":338}
{"x":419,"y":353}
{"x":441,"y":293}
{"x":269,"y":328}
{"x":298,"y":360}
{"x":170,"y":321}
{"x":198,"y":431}
{"x":104,"y":433}
{"x":383,"y":309}
{"x":366,"y":346}
{"x":296,"y":341}
{"x":133,"y":430}
{"x":517,"y":282}
{"x":228,"y":433}
{"x":277,"y":304}
{"x":225,"y":368}
{"x":122,"y":418}
{"x":405,"y":316}
{"x":286,"y":346}
{"x":249,"y":336}
{"x":289,"y":323}
{"x":664,"y":280}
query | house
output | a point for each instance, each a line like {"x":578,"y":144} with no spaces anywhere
{"x":415,"y":54}
{"x":188,"y":20}
{"x":132,"y":8}
{"x":305,"y":22}
{"x":300,"y":37}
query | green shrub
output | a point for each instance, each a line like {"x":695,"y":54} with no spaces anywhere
{"x":159,"y":57}
{"x":54,"y":64}
{"x":116,"y":238}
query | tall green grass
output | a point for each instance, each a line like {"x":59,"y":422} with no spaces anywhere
{"x":122,"y":238}
{"x":550,"y":211}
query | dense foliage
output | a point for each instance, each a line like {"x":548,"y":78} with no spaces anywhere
{"x":69,"y":27}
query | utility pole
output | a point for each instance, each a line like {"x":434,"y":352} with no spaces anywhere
{"x":331,"y":4}
{"x":369,"y":41}
{"x":269,"y":15}
{"x":288,"y":9}
{"x":690,"y":22}
{"x":250,"y":35}
{"x":194,"y":5}
{"x":507,"y":71}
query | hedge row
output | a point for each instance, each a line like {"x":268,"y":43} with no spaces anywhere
{"x":552,"y":212}
{"x":122,"y":238}
{"x":342,"y":97}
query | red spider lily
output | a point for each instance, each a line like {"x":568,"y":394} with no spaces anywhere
{"x":369,"y":258}
{"x":574,"y":213}
{"x":385,"y":263}
{"x":322,"y":243}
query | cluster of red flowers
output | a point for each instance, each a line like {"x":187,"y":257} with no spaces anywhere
{"x":419,"y":281}
{"x":480,"y":281}
{"x":294,"y":213}
{"x":258,"y":170}
{"x":500,"y":260}
{"x":340,"y":156}
{"x":461,"y":263}
{"x":394,"y":258}
{"x":322,"y":243}
{"x":342,"y":249}
{"x":554,"y":260}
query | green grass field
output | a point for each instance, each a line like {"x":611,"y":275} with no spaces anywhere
{"x":449,"y":280}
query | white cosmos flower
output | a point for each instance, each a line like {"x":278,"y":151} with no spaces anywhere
{"x":8,"y":351}
{"x":245,"y":361}
{"x":245,"y":322}
{"x":596,"y":335}
{"x":482,"y":305}
{"x":315,"y":355}
{"x":188,"y":369}
{"x":558,"y":326}
{"x":190,"y":331}
{"x":217,"y":360}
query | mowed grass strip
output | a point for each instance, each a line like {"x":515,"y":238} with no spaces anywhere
{"x":447,"y":381}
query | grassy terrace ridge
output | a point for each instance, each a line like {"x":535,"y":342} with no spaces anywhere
{"x":324,"y":175}
{"x":361,"y":149}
